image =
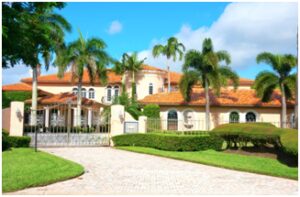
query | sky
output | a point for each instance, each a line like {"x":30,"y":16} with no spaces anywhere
{"x":243,"y":29}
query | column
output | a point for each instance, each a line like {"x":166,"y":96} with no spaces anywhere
{"x":16,"y":118}
{"x":75,"y":116}
{"x":142,"y":124}
{"x":90,"y":117}
{"x":46,"y":117}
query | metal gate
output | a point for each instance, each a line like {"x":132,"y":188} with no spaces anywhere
{"x":58,"y":125}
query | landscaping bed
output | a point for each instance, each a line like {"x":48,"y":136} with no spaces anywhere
{"x":23,"y":168}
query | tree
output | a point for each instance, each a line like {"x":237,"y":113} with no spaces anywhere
{"x":204,"y":68}
{"x":83,"y":55}
{"x":171,"y":49}
{"x":31,"y":30}
{"x":266,"y":82}
{"x":132,"y":64}
{"x":120,"y":68}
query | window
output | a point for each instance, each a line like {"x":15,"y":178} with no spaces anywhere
{"x":250,"y":117}
{"x":234,"y":117}
{"x":83,"y":93}
{"x":75,"y":91}
{"x":151,"y":88}
{"x":91,"y":93}
{"x":172,"y":120}
{"x":116,"y":91}
{"x":108,"y":93}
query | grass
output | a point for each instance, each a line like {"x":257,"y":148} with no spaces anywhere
{"x":23,"y":168}
{"x":254,"y":164}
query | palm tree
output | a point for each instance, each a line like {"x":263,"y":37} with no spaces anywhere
{"x":80,"y":55}
{"x":39,"y":33}
{"x":171,"y":49}
{"x":120,"y":67}
{"x":204,"y":68}
{"x":132,"y":64}
{"x":266,"y":82}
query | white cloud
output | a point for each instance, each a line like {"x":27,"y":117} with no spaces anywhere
{"x":244,"y":30}
{"x":115,"y":27}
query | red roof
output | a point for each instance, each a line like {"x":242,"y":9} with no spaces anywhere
{"x":23,"y":87}
{"x":240,"y":97}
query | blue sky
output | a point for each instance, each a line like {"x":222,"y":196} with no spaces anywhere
{"x":243,"y":29}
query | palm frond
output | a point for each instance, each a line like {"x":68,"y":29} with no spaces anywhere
{"x":228,"y":73}
{"x":187,"y":82}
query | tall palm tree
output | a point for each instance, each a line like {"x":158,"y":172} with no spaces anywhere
{"x":171,"y":49}
{"x":120,"y":68}
{"x":204,"y":68}
{"x":266,"y":82}
{"x":39,"y":32}
{"x":132,"y":64}
{"x":84,"y":54}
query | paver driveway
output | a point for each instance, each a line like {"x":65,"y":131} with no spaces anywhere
{"x":111,"y":171}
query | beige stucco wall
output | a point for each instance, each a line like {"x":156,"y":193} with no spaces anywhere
{"x":220,"y":115}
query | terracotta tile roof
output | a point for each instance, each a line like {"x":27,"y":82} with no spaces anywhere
{"x":54,"y":79}
{"x":147,"y":67}
{"x":64,"y":98}
{"x":227,"y":98}
{"x":23,"y":87}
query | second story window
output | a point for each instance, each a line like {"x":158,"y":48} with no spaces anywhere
{"x":116,"y":91}
{"x":75,"y":91}
{"x":83,"y":93}
{"x":150,"y":88}
{"x":91,"y":93}
{"x":108,"y":93}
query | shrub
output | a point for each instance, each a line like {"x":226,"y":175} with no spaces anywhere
{"x":259,"y":134}
{"x":22,"y":141}
{"x":169,"y":142}
{"x":152,"y":111}
{"x":5,"y":142}
{"x":289,"y":141}
{"x":10,"y":96}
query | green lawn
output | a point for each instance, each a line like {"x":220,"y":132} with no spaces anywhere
{"x":22,"y":168}
{"x":226,"y":160}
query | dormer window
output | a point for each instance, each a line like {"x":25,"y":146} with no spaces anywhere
{"x":151,"y":88}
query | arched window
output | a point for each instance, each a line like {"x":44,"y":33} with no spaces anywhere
{"x":172,"y":120}
{"x":151,"y":88}
{"x":116,"y":91}
{"x":250,"y":117}
{"x":108,"y":93}
{"x":234,"y":117}
{"x":83,"y":93}
{"x":91,"y":93}
{"x":75,"y":91}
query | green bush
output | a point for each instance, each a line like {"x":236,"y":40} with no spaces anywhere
{"x":169,"y":142}
{"x":10,"y":96}
{"x":22,"y":141}
{"x":152,"y":111}
{"x":289,"y":141}
{"x":239,"y":134}
{"x":5,"y":142}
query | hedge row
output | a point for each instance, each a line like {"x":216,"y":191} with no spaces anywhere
{"x":238,"y":135}
{"x":14,"y":141}
{"x":169,"y":142}
{"x":289,"y":141}
{"x":10,"y":96}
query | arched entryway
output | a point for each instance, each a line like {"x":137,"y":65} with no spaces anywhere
{"x":172,"y":120}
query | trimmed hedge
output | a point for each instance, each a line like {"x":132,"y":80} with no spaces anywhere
{"x":10,"y":96}
{"x":169,"y":142}
{"x":259,"y":134}
{"x":152,"y":111}
{"x":14,"y":141}
{"x":289,"y":141}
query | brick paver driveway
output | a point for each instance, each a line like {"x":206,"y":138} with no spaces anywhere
{"x":111,"y":171}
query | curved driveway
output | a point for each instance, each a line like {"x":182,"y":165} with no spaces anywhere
{"x":112,"y":171}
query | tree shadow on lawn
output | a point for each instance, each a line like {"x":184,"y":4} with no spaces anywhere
{"x":266,"y":152}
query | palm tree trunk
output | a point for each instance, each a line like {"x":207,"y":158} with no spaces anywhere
{"x":79,"y":102}
{"x":123,"y":83}
{"x":133,"y":86}
{"x":34,"y":96}
{"x":296,"y":95}
{"x":283,"y":105}
{"x":169,"y":82}
{"x":207,"y":114}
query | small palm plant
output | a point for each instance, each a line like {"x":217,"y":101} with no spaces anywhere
{"x":204,"y":68}
{"x":266,"y":82}
{"x":83,"y":54}
{"x":171,"y":49}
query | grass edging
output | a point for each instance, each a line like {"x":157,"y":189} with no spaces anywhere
{"x":166,"y":154}
{"x":30,"y":169}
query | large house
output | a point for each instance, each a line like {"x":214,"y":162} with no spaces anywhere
{"x":239,"y":105}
